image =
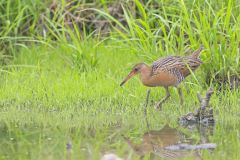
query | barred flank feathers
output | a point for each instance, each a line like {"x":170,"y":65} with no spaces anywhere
{"x":177,"y":65}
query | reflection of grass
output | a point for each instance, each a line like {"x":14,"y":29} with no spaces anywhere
{"x":46,"y":102}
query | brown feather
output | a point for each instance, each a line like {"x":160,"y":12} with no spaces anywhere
{"x":178,"y":66}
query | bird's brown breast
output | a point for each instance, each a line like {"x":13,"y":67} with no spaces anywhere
{"x":162,"y":78}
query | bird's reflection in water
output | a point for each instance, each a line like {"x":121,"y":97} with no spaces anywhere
{"x":156,"y":143}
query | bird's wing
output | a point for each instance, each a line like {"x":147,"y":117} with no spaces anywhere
{"x":176,"y":64}
{"x":167,"y":63}
{"x":172,"y":65}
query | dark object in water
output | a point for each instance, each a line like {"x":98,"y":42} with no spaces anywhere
{"x":69,"y":151}
{"x":203,"y":115}
{"x":169,"y":143}
{"x":185,"y":146}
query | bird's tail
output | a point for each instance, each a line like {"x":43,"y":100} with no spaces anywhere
{"x":196,"y":54}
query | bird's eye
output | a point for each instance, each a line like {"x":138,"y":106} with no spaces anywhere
{"x":135,"y":69}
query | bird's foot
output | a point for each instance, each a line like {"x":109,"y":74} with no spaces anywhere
{"x":158,"y":106}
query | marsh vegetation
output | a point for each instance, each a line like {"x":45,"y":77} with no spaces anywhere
{"x":62,"y":63}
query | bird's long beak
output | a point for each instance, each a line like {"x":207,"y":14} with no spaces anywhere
{"x":130,"y":75}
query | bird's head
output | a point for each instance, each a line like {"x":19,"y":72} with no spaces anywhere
{"x":135,"y":70}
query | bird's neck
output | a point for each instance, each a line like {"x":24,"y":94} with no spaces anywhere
{"x":145,"y":74}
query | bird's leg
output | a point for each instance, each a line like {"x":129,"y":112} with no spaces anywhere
{"x":180,"y":95}
{"x":145,"y":109}
{"x":146,"y":102}
{"x":159,"y":104}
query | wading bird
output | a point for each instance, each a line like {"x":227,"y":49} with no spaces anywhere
{"x":167,"y":71}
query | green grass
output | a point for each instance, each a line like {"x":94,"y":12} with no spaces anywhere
{"x":47,"y":102}
{"x":59,"y":82}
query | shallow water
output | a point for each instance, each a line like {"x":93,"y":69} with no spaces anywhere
{"x":43,"y":142}
{"x":170,"y":143}
{"x":75,"y":134}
